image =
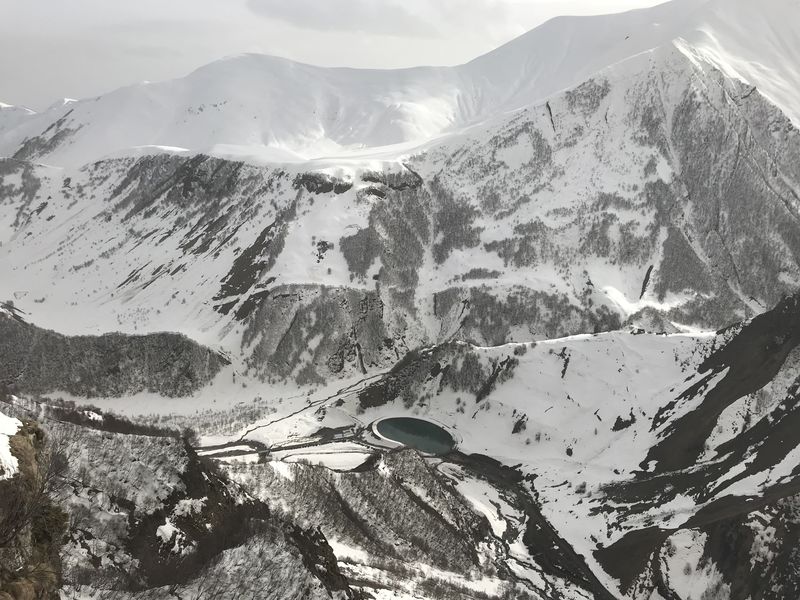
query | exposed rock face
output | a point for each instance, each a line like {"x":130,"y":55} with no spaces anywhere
{"x":39,"y":361}
{"x":32,"y":525}
{"x":756,"y":553}
{"x":659,"y":185}
{"x":346,"y":327}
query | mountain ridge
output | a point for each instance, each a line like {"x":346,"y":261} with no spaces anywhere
{"x":594,"y":295}
{"x":303,"y":111}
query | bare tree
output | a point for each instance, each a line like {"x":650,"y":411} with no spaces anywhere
{"x":26,"y":500}
{"x":25,"y":496}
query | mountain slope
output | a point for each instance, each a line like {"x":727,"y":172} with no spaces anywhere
{"x":588,"y":485}
{"x":659,"y":192}
{"x":293,"y":111}
{"x":602,"y":485}
{"x":581,"y":262}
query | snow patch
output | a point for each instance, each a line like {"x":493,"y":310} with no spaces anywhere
{"x":8,"y":462}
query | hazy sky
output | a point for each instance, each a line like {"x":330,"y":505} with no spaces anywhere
{"x":50,"y":49}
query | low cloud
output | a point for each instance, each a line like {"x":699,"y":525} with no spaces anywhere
{"x":82,"y":48}
{"x":368,"y":16}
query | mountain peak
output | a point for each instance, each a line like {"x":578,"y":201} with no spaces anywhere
{"x":261,"y":101}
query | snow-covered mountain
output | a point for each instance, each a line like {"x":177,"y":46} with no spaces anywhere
{"x":600,"y":206}
{"x":579,"y":254}
{"x":283,"y":110}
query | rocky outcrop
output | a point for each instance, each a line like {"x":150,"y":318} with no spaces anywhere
{"x":32,"y":525}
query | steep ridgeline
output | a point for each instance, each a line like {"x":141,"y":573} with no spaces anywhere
{"x":659,"y":193}
{"x":287,"y":111}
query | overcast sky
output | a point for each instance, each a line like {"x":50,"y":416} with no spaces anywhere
{"x":50,"y":49}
